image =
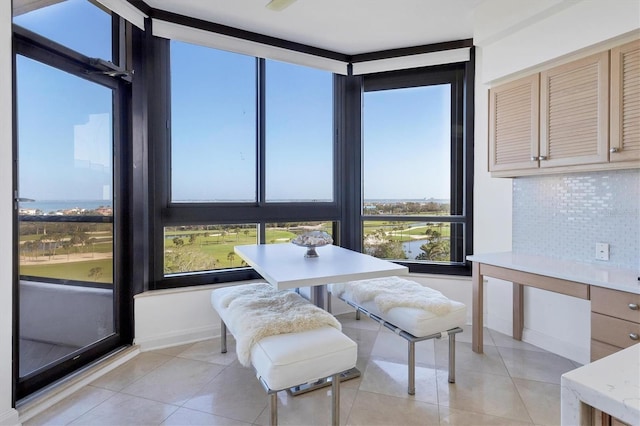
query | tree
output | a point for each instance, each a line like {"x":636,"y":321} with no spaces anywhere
{"x":231,"y":256}
{"x":179,"y":242}
{"x":193,"y":238}
{"x":95,"y":273}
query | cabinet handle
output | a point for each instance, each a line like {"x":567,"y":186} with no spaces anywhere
{"x":614,"y":150}
{"x":534,"y":158}
{"x":542,"y":157}
{"x":633,"y":336}
{"x":633,"y":306}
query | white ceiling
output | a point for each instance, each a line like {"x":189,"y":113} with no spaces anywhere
{"x":345,"y":26}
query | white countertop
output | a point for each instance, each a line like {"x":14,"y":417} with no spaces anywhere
{"x":599,"y":275}
{"x":611,"y":384}
{"x":284,"y":265}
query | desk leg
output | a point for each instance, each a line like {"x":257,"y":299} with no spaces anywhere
{"x":477,"y":307}
{"x":518,"y":310}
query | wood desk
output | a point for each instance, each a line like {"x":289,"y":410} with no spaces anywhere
{"x":560,"y":276}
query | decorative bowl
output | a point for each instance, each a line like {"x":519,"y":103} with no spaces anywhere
{"x":311,"y":240}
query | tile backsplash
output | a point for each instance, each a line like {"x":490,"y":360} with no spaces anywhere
{"x":564,"y":216}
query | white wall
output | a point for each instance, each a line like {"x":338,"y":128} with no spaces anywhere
{"x":514,"y":38}
{"x":8,"y":416}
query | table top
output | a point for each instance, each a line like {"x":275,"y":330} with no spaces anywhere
{"x":285,"y":267}
{"x":610,"y":384}
{"x":600,"y":274}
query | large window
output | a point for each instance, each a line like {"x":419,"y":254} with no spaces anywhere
{"x":414,"y":207}
{"x":251,"y":159}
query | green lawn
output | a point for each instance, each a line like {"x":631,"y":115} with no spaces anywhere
{"x":78,"y":271}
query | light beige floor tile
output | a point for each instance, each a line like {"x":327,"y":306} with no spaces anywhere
{"x":451,"y":416}
{"x":209,"y":351}
{"x":175,"y":381}
{"x":235,"y":393}
{"x":376,"y":409}
{"x":489,"y":361}
{"x":172,"y":350}
{"x":505,"y":341}
{"x":388,"y":345}
{"x":71,"y":408}
{"x":391,"y":378}
{"x":365,"y":339}
{"x":127,"y":410}
{"x":309,"y":409}
{"x":535,"y":365}
{"x":482,"y":393}
{"x":131,"y":371}
{"x":541,"y":399}
{"x":185,"y":416}
{"x":365,"y":323}
{"x":467,"y":335}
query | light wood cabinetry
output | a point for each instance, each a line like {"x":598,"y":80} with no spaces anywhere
{"x":513,"y":114}
{"x":574,"y":100}
{"x":578,"y":116}
{"x":615,"y":321}
{"x":625,"y":102}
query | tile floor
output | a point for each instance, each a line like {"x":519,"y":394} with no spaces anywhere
{"x":512,"y":383}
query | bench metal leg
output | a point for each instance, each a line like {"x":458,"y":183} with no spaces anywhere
{"x":273,"y":405}
{"x":412,"y":368}
{"x":223,"y":337}
{"x":335,"y":399}
{"x":357,"y":314}
{"x":452,"y":358}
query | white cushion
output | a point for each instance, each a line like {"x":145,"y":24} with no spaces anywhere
{"x":419,"y":322}
{"x":287,"y":360}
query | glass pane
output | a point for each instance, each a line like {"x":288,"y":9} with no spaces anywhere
{"x":407,"y":146}
{"x":76,"y":24}
{"x":213,"y":125}
{"x":421,"y":241}
{"x":65,"y":171}
{"x":299,"y":133}
{"x":205,"y":247}
{"x":276,"y":233}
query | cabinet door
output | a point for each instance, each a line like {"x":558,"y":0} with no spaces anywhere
{"x":574,"y":101}
{"x":513,"y":125}
{"x":625,"y":102}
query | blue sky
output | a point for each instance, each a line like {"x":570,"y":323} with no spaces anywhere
{"x":406,"y":132}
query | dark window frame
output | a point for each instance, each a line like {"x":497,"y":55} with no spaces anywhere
{"x":259,"y":212}
{"x":461,"y":78}
{"x":34,"y":46}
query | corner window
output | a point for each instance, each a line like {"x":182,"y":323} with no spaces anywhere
{"x":414,"y":169}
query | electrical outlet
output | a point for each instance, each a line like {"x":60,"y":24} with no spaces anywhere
{"x":602,"y":251}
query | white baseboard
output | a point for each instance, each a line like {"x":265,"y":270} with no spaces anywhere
{"x":180,"y":337}
{"x":544,"y":341}
{"x":559,"y":347}
{"x":10,"y":418}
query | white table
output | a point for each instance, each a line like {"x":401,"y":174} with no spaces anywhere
{"x":284,"y":266}
{"x":610,"y":384}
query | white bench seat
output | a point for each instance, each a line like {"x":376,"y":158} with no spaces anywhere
{"x":288,"y":360}
{"x":414,"y":325}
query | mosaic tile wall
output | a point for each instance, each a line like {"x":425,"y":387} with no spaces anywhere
{"x":564,"y":216}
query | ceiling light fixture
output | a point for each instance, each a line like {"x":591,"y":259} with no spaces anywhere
{"x":278,"y":5}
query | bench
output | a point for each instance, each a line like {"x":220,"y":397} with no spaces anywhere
{"x":292,"y":359}
{"x":411,"y":323}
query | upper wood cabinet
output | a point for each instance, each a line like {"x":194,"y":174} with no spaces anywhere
{"x":578,"y":116}
{"x":513,"y":128}
{"x":574,"y":102}
{"x":625,"y":102}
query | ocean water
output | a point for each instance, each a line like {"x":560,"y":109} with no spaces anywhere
{"x":56,"y":205}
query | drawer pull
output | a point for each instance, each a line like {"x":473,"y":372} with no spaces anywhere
{"x":633,"y":336}
{"x":633,"y":306}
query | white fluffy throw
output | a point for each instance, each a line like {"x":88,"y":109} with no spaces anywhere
{"x":256,"y":311}
{"x":393,"y":292}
